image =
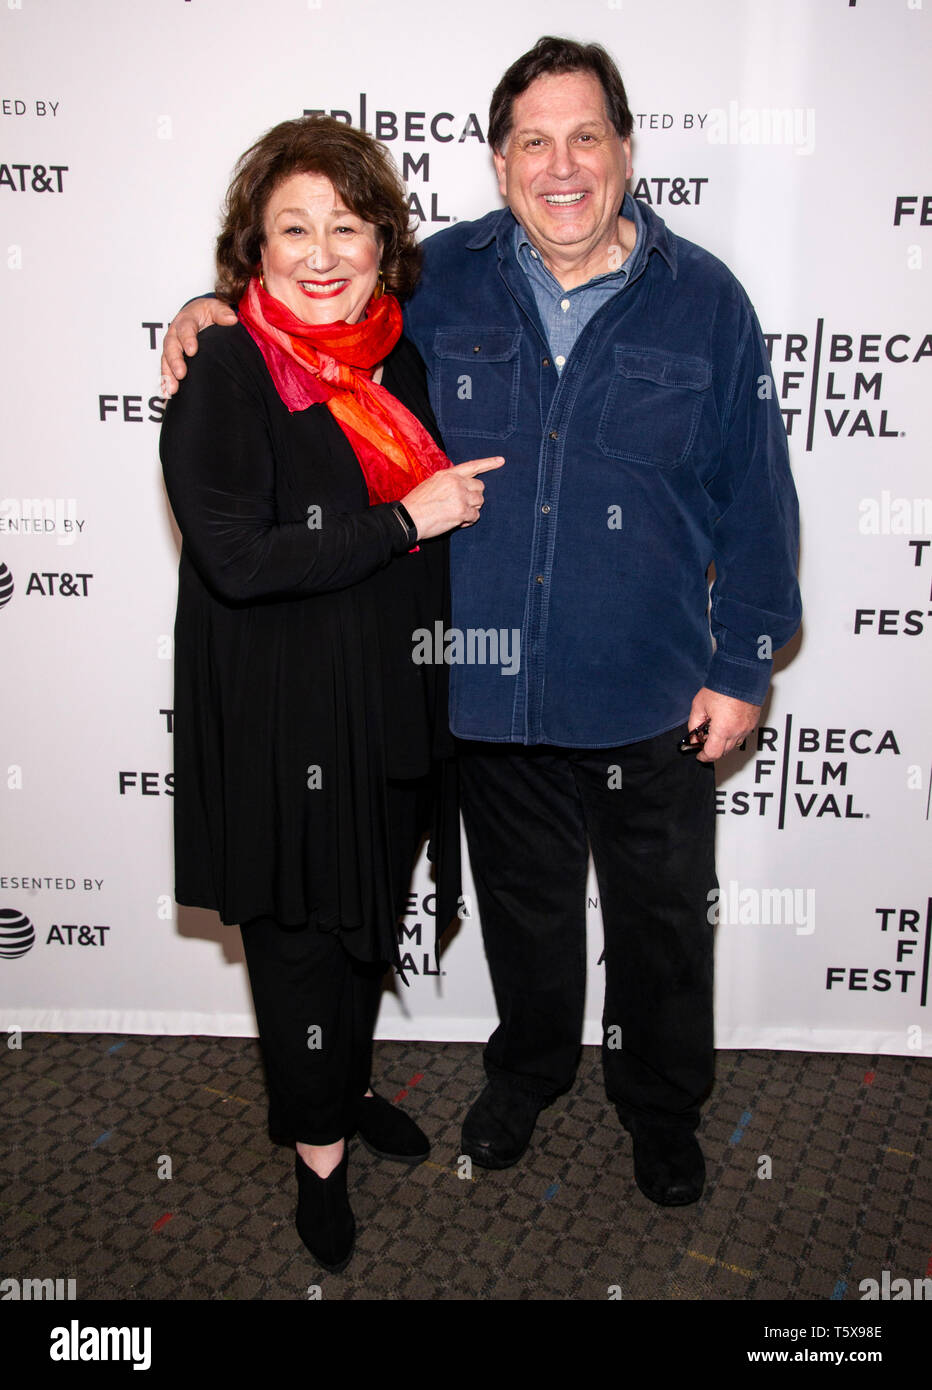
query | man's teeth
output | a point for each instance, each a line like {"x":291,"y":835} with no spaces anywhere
{"x":563,"y":197}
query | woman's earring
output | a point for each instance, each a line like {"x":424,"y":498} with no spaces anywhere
{"x":379,"y":286}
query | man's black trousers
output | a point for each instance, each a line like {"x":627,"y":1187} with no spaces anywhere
{"x":648,"y":813}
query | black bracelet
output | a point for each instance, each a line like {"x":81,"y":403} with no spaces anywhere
{"x":404,"y":518}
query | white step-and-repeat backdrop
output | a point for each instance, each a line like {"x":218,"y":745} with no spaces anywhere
{"x":790,"y":137}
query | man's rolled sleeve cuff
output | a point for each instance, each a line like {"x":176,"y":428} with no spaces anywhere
{"x":742,"y":680}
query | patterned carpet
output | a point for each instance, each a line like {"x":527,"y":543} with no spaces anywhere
{"x":92,"y":1120}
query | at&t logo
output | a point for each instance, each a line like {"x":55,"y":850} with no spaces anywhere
{"x":17,"y":934}
{"x":48,"y":584}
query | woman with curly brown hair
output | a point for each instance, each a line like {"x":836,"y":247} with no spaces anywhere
{"x":312,"y":756}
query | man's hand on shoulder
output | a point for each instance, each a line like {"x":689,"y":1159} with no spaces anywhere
{"x":730,"y":721}
{"x":181,"y":338}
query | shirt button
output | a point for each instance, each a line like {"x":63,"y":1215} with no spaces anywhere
{"x":560,"y":361}
{"x":554,"y":435}
{"x":545,"y":509}
{"x":546,"y":362}
{"x":477,"y":348}
{"x":540,"y":579}
{"x":564,"y":304}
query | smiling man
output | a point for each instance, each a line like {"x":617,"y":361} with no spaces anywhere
{"x":563,"y":171}
{"x":622,"y":373}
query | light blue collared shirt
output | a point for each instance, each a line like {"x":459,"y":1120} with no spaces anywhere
{"x":565,"y":313}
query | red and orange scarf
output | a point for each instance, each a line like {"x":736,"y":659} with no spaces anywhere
{"x":332,"y":363}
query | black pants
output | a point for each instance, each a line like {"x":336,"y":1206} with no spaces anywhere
{"x":648,"y":813}
{"x":316,"y":1005}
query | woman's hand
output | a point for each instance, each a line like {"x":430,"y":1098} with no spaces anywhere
{"x":448,"y":499}
{"x":181,"y":337}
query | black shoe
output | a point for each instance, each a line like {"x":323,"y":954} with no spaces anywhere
{"x":498,"y":1127}
{"x":388,"y":1132}
{"x":324,"y":1220}
{"x":668,"y":1164}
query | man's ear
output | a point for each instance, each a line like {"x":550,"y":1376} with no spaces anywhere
{"x":626,"y":146}
{"x":499,"y":162}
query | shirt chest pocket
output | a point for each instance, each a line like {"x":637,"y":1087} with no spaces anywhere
{"x":653,"y":405}
{"x":478,"y":378}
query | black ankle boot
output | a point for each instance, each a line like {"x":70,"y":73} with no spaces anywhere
{"x":324,"y":1220}
{"x":388,"y":1132}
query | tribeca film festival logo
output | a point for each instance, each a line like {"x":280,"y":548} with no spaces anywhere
{"x":135,"y":409}
{"x":823,"y":385}
{"x":413,"y":128}
{"x":135,"y":782}
{"x":803,"y":773}
{"x":898,"y":516}
{"x":47,"y":584}
{"x":41,"y":516}
{"x":409,"y":935}
{"x":474,"y":646}
{"x":905,"y":933}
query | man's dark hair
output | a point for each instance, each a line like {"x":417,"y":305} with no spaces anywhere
{"x":553,"y":57}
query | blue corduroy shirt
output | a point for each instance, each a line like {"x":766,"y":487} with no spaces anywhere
{"x":658,"y":451}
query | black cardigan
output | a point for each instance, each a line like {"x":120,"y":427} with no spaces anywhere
{"x":295,"y":693}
